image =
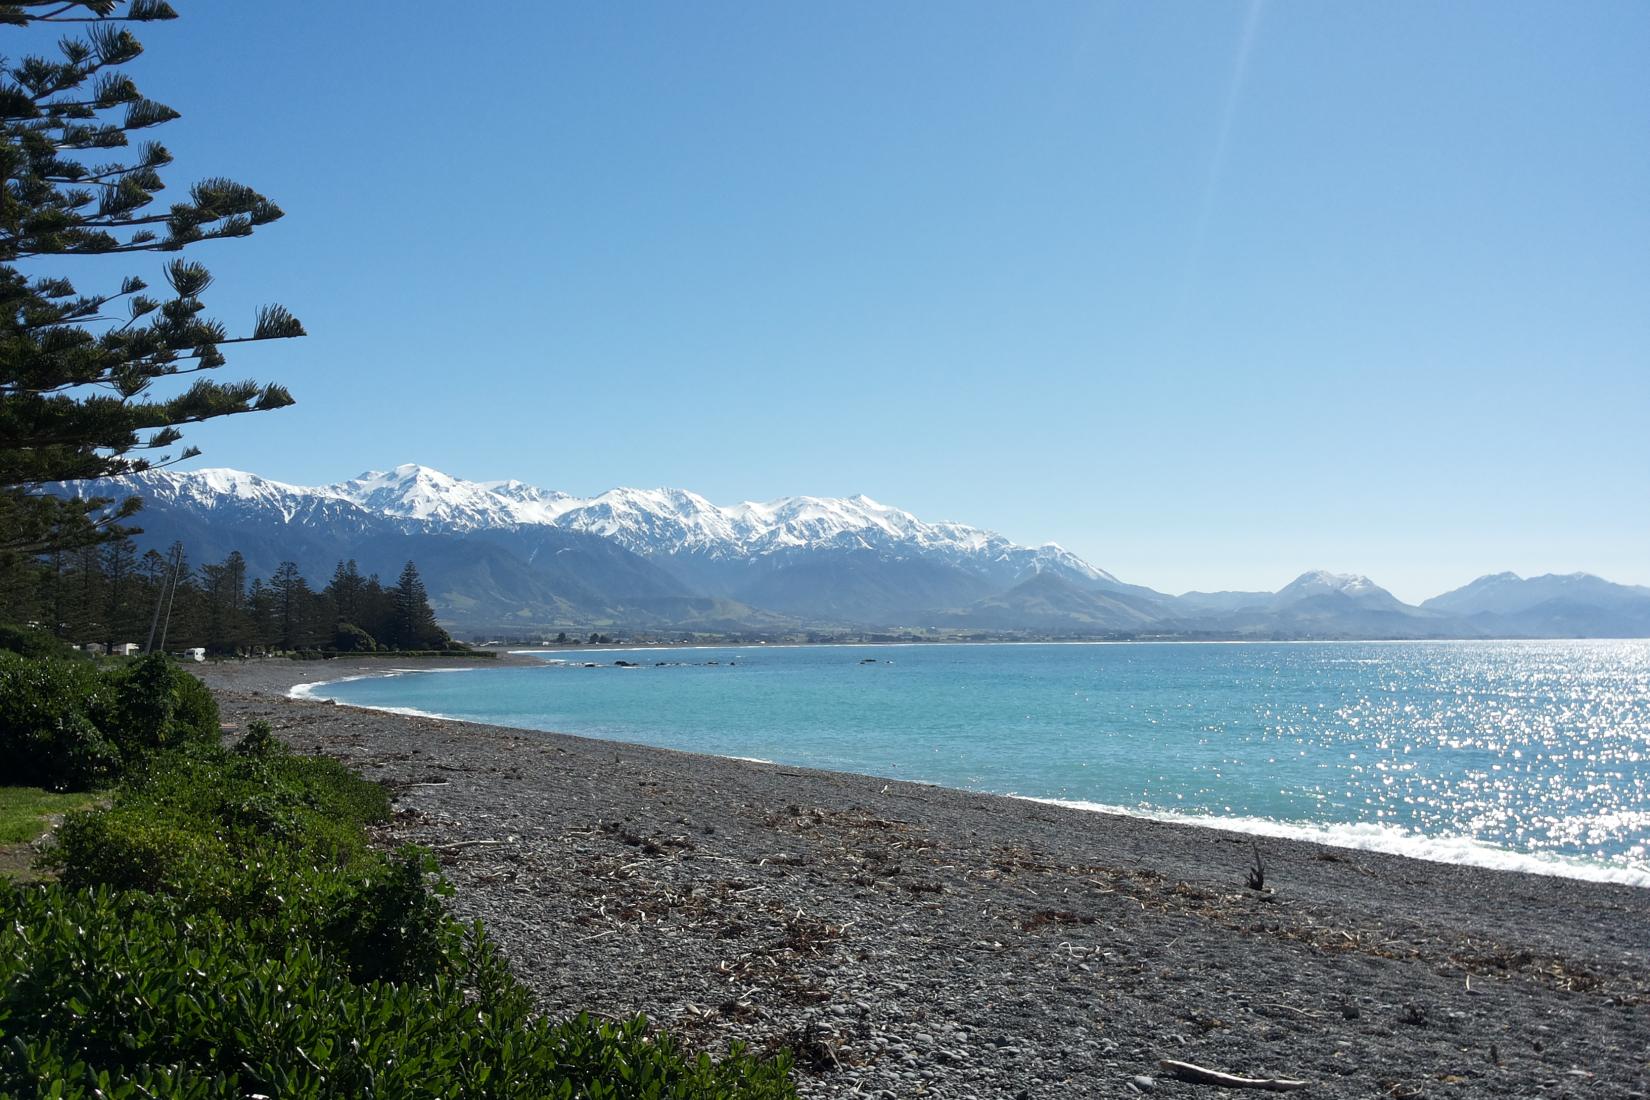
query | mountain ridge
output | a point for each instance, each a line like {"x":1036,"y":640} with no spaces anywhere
{"x":510,"y":555}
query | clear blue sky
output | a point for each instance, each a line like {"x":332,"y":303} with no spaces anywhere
{"x":1208,"y":293}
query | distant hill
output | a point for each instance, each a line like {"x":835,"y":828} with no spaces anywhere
{"x":1317,"y":604}
{"x":1508,"y":593}
{"x":1552,"y":605}
{"x":1052,"y":604}
{"x":508,"y":556}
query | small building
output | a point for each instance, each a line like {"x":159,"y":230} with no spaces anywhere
{"x":125,"y":649}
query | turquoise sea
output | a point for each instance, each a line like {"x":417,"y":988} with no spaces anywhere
{"x":1534,"y":755}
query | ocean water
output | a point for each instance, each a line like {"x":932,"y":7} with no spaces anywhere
{"x":1532,"y":755}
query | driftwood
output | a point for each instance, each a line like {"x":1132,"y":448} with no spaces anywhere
{"x":1185,"y":1071}
{"x":1257,"y":873}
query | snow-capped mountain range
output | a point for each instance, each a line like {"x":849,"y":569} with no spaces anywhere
{"x":505,"y":555}
{"x":649,"y":522}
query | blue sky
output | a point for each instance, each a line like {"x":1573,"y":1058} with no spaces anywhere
{"x":1208,"y":293}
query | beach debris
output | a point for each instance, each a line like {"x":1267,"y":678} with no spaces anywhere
{"x":814,"y":1046}
{"x":456,"y":845}
{"x":1043,"y":918}
{"x":1257,"y":873}
{"x":1201,"y":1075}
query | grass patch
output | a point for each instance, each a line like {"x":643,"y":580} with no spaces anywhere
{"x":24,"y":810}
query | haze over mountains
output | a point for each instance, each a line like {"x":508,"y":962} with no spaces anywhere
{"x":510,"y":557}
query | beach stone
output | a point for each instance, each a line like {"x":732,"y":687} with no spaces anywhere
{"x":1143,"y":1083}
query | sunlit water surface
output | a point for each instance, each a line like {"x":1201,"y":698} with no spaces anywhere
{"x":1520,"y":754}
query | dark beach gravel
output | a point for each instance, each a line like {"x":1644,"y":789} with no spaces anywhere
{"x":907,"y":940}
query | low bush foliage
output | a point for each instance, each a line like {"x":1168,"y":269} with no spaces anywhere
{"x":118,"y":999}
{"x":223,"y":929}
{"x":48,"y":737}
{"x":77,"y":725}
{"x":31,"y":641}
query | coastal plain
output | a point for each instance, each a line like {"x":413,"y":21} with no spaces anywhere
{"x":908,"y":940}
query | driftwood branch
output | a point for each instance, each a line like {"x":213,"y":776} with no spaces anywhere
{"x":1185,"y":1071}
{"x":466,"y":844}
{"x":1257,"y":873}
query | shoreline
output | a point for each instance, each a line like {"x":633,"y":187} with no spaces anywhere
{"x":1171,"y":639}
{"x":903,"y":937}
{"x":1350,"y":836}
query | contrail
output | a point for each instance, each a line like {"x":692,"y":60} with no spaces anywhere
{"x":1217,"y":162}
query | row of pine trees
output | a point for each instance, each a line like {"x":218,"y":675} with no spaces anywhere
{"x":110,"y":594}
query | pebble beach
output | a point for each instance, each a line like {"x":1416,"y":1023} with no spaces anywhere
{"x":909,"y":940}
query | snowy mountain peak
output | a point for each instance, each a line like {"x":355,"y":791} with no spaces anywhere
{"x":662,"y":522}
{"x":210,"y":489}
{"x":1320,"y":582}
{"x":1052,"y":557}
{"x":223,"y":482}
{"x":411,"y":491}
{"x":1323,"y":580}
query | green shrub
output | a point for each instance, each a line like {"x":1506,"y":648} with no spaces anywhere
{"x":313,"y":808}
{"x":349,"y":638}
{"x":223,"y":930}
{"x":157,"y":705}
{"x":34,"y":643}
{"x":47,"y":735}
{"x":392,"y":926}
{"x":332,"y":789}
{"x":127,"y":850}
{"x":106,"y":993}
{"x":259,"y":742}
{"x":75,"y":725}
{"x":257,"y":833}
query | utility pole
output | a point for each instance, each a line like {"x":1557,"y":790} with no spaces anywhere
{"x":166,"y":623}
{"x":167,"y":591}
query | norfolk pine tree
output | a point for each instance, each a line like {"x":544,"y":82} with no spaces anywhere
{"x":414,"y":624}
{"x":78,"y":371}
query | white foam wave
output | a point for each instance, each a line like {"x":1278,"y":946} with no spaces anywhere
{"x":309,"y":690}
{"x":1391,"y":840}
{"x":406,"y":712}
{"x":409,"y":712}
